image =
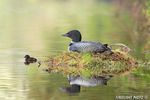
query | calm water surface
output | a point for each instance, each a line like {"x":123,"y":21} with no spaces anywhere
{"x":34,"y":28}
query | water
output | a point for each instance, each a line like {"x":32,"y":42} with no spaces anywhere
{"x":34,"y":28}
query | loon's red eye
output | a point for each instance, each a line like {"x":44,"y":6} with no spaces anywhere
{"x":69,"y":33}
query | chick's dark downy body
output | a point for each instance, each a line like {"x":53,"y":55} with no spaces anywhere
{"x":77,"y":45}
{"x":30,"y":59}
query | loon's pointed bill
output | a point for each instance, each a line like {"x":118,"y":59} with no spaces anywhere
{"x":64,"y":35}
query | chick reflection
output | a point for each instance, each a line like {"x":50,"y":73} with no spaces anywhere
{"x":29,"y":60}
{"x":88,"y":82}
{"x":72,"y":90}
{"x":47,"y":70}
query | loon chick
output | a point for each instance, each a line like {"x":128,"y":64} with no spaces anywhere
{"x":30,"y":59}
{"x":77,"y":45}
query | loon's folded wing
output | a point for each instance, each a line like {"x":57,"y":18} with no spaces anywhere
{"x":97,"y":43}
{"x":87,"y":47}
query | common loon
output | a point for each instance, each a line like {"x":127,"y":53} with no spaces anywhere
{"x":77,"y":45}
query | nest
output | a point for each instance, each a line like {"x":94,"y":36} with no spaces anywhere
{"x":89,"y":64}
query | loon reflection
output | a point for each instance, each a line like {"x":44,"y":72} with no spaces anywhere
{"x":88,"y":82}
{"x":78,"y":81}
{"x":72,"y":90}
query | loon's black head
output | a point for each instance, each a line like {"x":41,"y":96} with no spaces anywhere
{"x":75,"y":35}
